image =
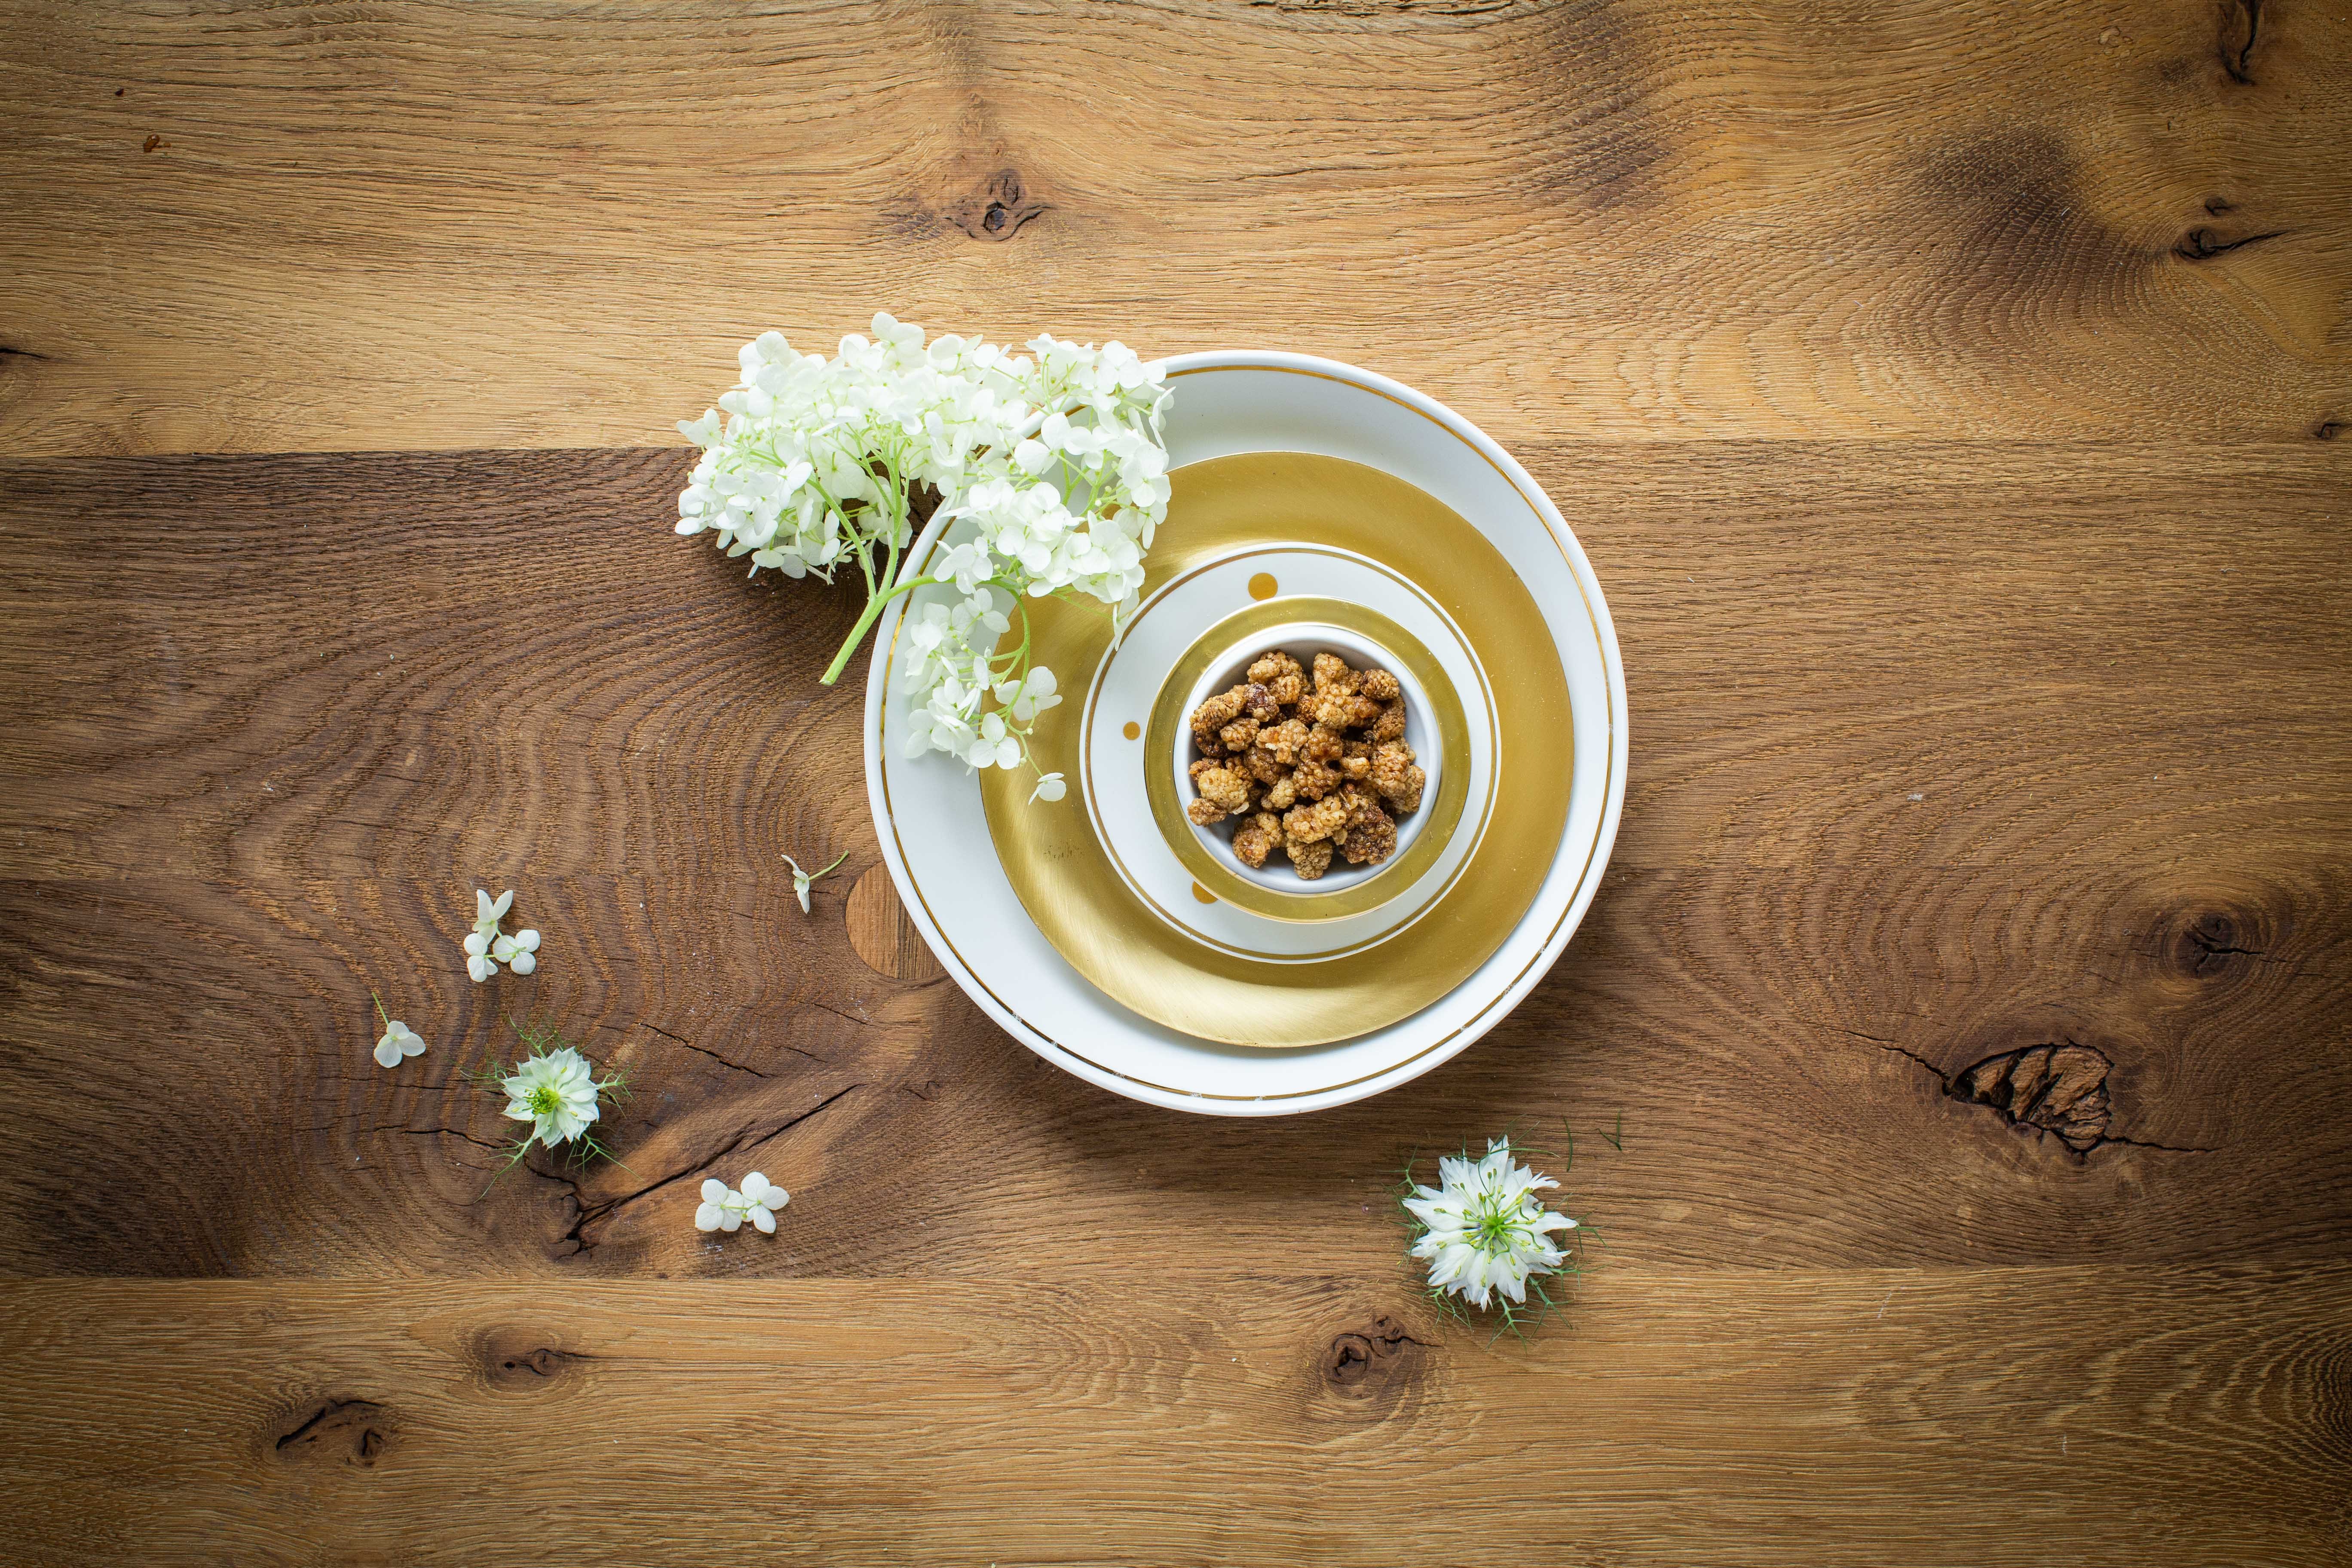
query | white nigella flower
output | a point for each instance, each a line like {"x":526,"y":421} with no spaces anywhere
{"x":556,"y":1093}
{"x":801,"y":880}
{"x":487,"y":946}
{"x":399,"y":1043}
{"x":1483,"y":1229}
{"x":724,"y":1208}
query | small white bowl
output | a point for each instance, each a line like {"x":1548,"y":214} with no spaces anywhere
{"x":1303,"y":640}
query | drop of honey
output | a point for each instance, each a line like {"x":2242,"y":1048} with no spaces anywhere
{"x":1132,"y":731}
{"x":1263,"y":586}
{"x":1203,"y":894}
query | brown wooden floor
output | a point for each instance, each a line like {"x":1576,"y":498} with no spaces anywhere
{"x":1956,"y":401}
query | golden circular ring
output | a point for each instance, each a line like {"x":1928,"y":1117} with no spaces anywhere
{"x":1057,"y":865}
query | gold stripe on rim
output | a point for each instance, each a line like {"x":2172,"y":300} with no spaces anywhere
{"x":1059,"y":869}
{"x":1212,"y":870}
{"x":1592,"y":851}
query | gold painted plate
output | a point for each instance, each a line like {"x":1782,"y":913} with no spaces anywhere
{"x":1065,"y":880}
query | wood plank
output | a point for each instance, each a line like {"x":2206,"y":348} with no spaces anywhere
{"x":2092,"y":1415}
{"x":335,"y":695}
{"x":311,"y":660}
{"x":250,"y":227}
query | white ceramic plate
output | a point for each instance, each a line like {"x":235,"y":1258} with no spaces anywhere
{"x":935,"y":836}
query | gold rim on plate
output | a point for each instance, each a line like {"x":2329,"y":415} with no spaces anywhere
{"x":1059,"y":869}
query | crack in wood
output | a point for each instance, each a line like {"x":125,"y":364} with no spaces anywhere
{"x":2236,"y":55}
{"x":598,"y":1214}
{"x":705,"y":1050}
{"x":448,"y":1132}
{"x":2199,"y":244}
{"x":358,"y":1431}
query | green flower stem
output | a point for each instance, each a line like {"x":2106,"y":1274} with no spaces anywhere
{"x":874,"y":603}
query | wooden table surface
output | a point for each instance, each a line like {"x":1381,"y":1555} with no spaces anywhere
{"x":1955,"y":398}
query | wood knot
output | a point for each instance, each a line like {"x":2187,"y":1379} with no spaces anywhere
{"x":998,"y":209}
{"x":2328,"y":429}
{"x":2060,"y":1089}
{"x":1365,"y":1363}
{"x":355,"y":1432}
{"x":2209,"y":943}
{"x":518,"y":1361}
{"x":881,"y":933}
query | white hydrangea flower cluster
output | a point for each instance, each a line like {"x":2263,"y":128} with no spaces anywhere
{"x":1054,"y":460}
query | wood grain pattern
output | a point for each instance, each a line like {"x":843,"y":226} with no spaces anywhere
{"x":883,"y":934}
{"x":416,"y":225}
{"x":1952,"y":399}
{"x":2119,"y":1416}
{"x":261,"y":798}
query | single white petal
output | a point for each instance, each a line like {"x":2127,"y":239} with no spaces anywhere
{"x":527,"y":941}
{"x":505,"y":901}
{"x":764,"y":1220}
{"x":482,"y":905}
{"x":387,"y":1052}
{"x":709,"y":1216}
{"x":733,"y":1222}
{"x":476,"y":944}
{"x":481,"y":968}
{"x":523,"y":962}
{"x":713,"y":1190}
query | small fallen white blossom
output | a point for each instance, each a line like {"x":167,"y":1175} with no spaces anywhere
{"x":1483,"y":1230}
{"x":801,"y":880}
{"x":487,"y":946}
{"x":519,"y":952}
{"x":724,"y":1208}
{"x":1054,"y":462}
{"x":399,"y":1041}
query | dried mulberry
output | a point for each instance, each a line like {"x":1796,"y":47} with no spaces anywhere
{"x":1396,"y":776}
{"x":1306,"y":823}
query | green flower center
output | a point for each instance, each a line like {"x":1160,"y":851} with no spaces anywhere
{"x":545,"y":1101}
{"x":1495,"y":1224}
